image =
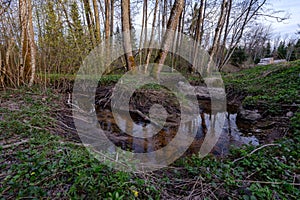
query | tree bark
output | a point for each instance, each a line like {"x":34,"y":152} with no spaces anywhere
{"x":149,"y":50}
{"x":126,"y":26}
{"x":23,"y":49}
{"x":112,"y":12}
{"x":28,"y":50}
{"x":89,"y":20}
{"x":225,"y":33}
{"x":31,"y":44}
{"x":142,"y":31}
{"x":97,"y":21}
{"x":217,"y":36}
{"x":199,"y":32}
{"x":168,"y":37}
{"x":107,"y":19}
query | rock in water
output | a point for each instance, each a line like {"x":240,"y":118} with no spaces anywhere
{"x":250,"y":115}
{"x":290,"y":114}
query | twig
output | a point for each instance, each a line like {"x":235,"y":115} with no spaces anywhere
{"x":15,"y":144}
{"x":194,"y":186}
{"x":255,"y":150}
{"x":268,"y":182}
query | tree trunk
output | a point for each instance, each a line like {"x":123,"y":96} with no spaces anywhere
{"x":28,"y":50}
{"x":142,"y":31}
{"x":149,"y":50}
{"x":23,"y":49}
{"x":107,"y":19}
{"x":31,"y":44}
{"x":89,"y":21}
{"x":97,"y":21}
{"x":225,"y":33}
{"x":7,"y":67}
{"x":168,"y":37}
{"x":146,"y":25}
{"x":164,"y":15}
{"x":199,"y":32}
{"x":112,"y":12}
{"x":217,"y":36}
{"x":126,"y":26}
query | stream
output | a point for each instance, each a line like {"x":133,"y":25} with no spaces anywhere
{"x":233,"y":133}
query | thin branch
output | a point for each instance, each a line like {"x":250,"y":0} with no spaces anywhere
{"x":255,"y":150}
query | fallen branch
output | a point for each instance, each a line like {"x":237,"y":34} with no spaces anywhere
{"x":255,"y":150}
{"x":15,"y":144}
{"x":268,"y":182}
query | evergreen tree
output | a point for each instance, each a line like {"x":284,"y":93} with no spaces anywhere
{"x":268,"y":50}
{"x":281,"y":50}
{"x":78,"y":42}
{"x":53,"y":42}
{"x":239,"y":56}
{"x":297,"y":50}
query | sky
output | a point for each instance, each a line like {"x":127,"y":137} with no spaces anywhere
{"x":286,"y":29}
{"x":289,"y":26}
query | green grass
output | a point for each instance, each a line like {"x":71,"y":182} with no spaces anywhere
{"x":46,"y":165}
{"x":49,"y":166}
{"x":268,"y":87}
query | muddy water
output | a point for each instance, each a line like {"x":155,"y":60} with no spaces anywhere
{"x":136,"y":125}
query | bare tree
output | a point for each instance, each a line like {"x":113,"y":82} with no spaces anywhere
{"x":107,"y":19}
{"x":28,"y":53}
{"x":168,"y":37}
{"x":97,"y":21}
{"x":89,"y":20}
{"x":112,"y":12}
{"x":199,"y":30}
{"x":31,"y":43}
{"x":149,"y":50}
{"x":249,"y":9}
{"x":126,"y":28}
{"x":217,"y":36}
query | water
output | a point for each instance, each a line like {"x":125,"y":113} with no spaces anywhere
{"x":231,"y":134}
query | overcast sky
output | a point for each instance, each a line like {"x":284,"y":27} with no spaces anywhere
{"x":286,"y":28}
{"x":289,"y":26}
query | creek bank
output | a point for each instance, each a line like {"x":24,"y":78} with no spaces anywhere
{"x":250,"y":126}
{"x":251,"y":122}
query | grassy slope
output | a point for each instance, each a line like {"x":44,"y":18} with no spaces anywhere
{"x":268,"y":87}
{"x":49,"y":166}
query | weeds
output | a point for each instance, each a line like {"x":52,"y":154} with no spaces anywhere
{"x":45,"y":165}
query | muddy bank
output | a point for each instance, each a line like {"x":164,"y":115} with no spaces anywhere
{"x":236,"y":132}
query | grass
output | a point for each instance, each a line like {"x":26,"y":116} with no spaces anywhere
{"x":268,"y":87}
{"x":46,"y":165}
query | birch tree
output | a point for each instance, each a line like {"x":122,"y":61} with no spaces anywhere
{"x":27,"y":41}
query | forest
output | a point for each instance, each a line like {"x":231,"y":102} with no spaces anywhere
{"x":161,"y":99}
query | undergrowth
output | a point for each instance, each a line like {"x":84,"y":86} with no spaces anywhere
{"x":270,"y":87}
{"x":35,"y":163}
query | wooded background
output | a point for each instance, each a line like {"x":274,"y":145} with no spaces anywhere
{"x":54,"y":36}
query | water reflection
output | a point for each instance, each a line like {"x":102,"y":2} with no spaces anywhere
{"x":135,"y":142}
